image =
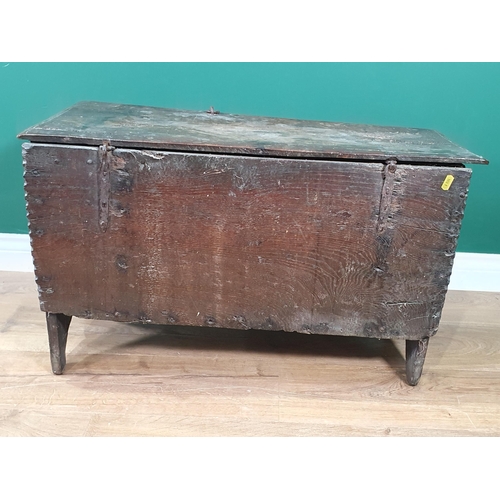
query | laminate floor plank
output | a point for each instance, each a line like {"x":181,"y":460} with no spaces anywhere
{"x":149,"y":380}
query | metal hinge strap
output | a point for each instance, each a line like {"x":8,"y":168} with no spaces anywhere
{"x":385,"y":207}
{"x":105,"y":150}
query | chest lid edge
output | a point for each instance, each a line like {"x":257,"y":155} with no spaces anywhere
{"x":91,"y":123}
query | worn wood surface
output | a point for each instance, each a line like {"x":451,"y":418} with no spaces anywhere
{"x":57,"y":327}
{"x":91,"y":123}
{"x":416,"y":351}
{"x":310,"y":246}
{"x":147,"y":380}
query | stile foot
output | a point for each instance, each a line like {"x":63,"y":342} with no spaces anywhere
{"x":57,"y":327}
{"x":415,"y":357}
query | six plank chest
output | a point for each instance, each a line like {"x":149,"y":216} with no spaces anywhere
{"x":143,"y":214}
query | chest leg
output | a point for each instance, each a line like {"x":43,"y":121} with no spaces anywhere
{"x":57,"y":326}
{"x":415,"y":357}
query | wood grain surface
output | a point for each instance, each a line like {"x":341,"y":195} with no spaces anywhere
{"x":91,"y":123}
{"x":146,"y":380}
{"x":309,"y":246}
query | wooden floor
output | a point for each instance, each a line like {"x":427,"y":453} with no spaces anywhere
{"x":146,"y":380}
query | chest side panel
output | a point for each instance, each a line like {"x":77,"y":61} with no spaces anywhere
{"x":61,"y":192}
{"x":240,"y":242}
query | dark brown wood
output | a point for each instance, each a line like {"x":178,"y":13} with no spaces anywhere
{"x":310,"y":227}
{"x":297,"y":245}
{"x":57,"y":326}
{"x":415,"y":357}
{"x":91,"y":123}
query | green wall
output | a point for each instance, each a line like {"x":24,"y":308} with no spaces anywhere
{"x":461,"y":100}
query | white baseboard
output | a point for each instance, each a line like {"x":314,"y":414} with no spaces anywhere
{"x":478,"y":272}
{"x":15,"y":253}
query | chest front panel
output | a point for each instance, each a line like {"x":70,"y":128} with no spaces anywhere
{"x":315,"y":246}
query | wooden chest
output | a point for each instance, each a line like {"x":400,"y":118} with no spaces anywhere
{"x":141,"y":214}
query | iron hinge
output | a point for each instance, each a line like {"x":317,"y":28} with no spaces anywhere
{"x":105,"y":152}
{"x":386,"y":206}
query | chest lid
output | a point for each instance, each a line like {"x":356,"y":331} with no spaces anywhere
{"x":92,"y":123}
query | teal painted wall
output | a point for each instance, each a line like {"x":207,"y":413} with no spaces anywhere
{"x":461,"y":100}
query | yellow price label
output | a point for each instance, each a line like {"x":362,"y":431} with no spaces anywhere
{"x":447,"y":182}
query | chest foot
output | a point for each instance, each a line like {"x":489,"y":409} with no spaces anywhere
{"x":57,"y":326}
{"x":415,"y":357}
